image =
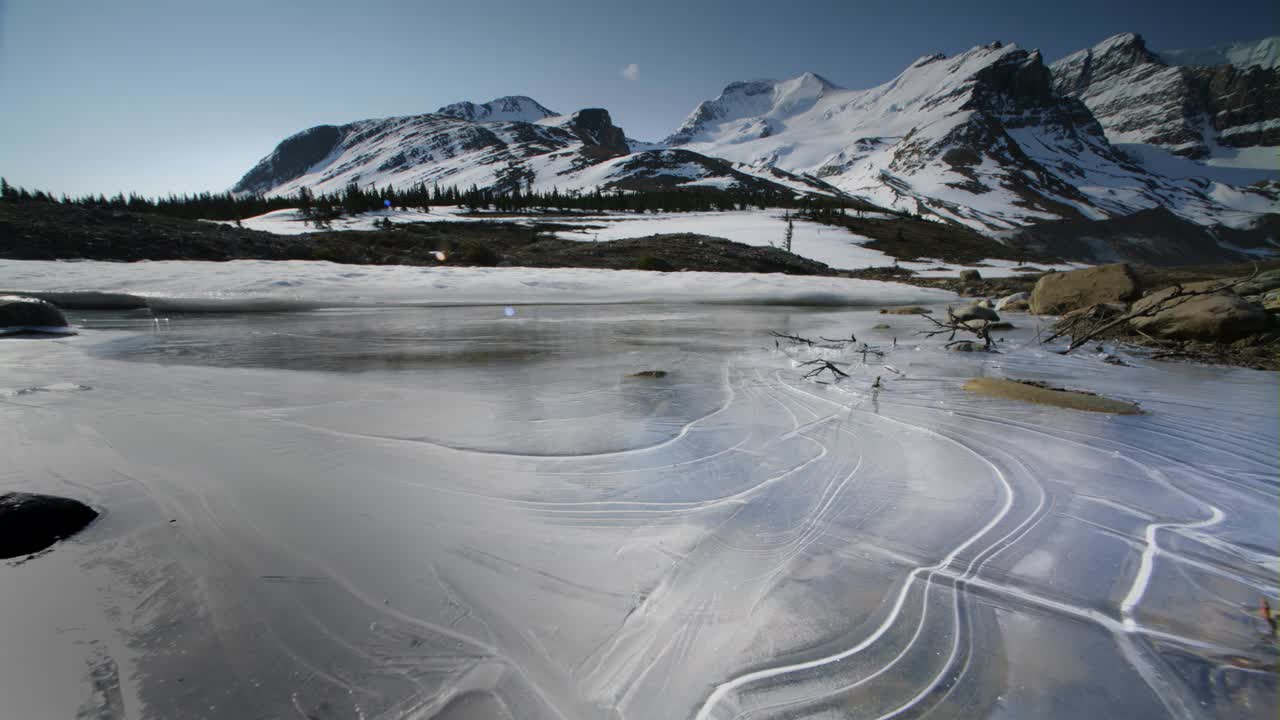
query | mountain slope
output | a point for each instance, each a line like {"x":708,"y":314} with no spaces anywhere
{"x":992,"y":139}
{"x":981,"y":139}
{"x":1264,"y":53}
{"x":1199,"y":112}
{"x":507,"y":144}
{"x":512,"y":108}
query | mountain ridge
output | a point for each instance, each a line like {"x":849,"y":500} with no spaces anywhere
{"x":992,"y":138}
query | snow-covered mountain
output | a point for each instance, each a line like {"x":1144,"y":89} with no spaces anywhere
{"x":507,"y":144}
{"x":512,"y":108}
{"x":1204,"y":112}
{"x":991,"y":138}
{"x":1208,"y":113}
{"x":981,"y":138}
{"x":1264,"y":53}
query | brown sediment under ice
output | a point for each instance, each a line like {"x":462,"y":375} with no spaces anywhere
{"x":1044,"y":395}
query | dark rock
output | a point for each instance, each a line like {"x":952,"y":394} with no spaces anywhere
{"x":30,"y":523}
{"x":28,"y":314}
{"x":649,"y":374}
{"x":595,"y":127}
{"x":966,"y":346}
{"x":970,"y":276}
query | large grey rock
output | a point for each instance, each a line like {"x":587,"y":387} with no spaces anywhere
{"x":28,"y":314}
{"x":30,"y":523}
{"x":974,"y":312}
{"x":1057,"y":293}
{"x":1219,"y":317}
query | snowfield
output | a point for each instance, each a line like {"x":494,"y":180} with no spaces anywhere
{"x":244,"y":285}
{"x":835,"y":246}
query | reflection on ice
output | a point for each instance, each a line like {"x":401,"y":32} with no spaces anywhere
{"x":454,"y":513}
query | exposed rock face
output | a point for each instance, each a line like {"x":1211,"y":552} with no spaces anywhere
{"x":30,"y":523}
{"x":28,"y":314}
{"x":1242,"y":106}
{"x":596,"y":128}
{"x":512,"y":108}
{"x":1058,"y":293}
{"x":291,"y":158}
{"x":1220,"y":317}
{"x":1139,"y":98}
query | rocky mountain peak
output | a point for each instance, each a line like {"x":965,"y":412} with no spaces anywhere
{"x":1109,"y":58}
{"x":510,"y":108}
{"x":595,"y":128}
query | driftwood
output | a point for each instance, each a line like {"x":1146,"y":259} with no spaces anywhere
{"x":793,"y":338}
{"x":823,"y":366}
{"x":1179,"y":296}
{"x":953,"y":326}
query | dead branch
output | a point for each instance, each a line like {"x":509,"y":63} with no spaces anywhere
{"x":823,"y":366}
{"x":953,"y":326}
{"x":793,"y":338}
{"x":1179,"y":296}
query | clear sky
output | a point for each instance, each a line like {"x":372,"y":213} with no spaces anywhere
{"x":157,"y":96}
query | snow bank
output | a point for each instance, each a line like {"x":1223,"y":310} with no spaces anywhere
{"x":296,"y":284}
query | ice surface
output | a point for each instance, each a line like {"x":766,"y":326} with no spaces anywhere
{"x":406,"y":512}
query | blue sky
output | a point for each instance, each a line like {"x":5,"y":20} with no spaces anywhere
{"x":166,"y":95}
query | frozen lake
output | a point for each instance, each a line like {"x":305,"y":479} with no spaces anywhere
{"x":409,"y":512}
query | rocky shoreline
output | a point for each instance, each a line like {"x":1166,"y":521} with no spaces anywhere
{"x":1222,"y":315}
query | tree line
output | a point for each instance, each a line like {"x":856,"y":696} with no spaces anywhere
{"x":323,"y":208}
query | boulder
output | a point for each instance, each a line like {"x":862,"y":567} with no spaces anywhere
{"x":1016,"y":306}
{"x":1220,"y":317}
{"x":988,"y":325}
{"x":30,"y":523}
{"x":28,"y":314}
{"x":1100,"y":311}
{"x":1270,"y":301}
{"x":968,"y":276}
{"x":1004,"y":302}
{"x":974,"y":312}
{"x":1057,"y":293}
{"x":905,"y":310}
{"x":967,"y":346}
{"x":1269,"y":280}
